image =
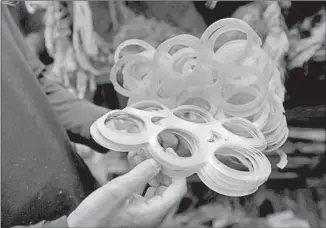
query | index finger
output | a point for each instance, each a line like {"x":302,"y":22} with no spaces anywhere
{"x":173,"y":194}
{"x":168,"y":140}
{"x":131,"y":182}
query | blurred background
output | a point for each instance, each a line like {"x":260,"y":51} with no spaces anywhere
{"x":294,"y":196}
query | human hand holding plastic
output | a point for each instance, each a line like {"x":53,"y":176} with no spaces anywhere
{"x":117,"y":203}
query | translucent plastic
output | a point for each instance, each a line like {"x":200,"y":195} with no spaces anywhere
{"x":132,"y":42}
{"x":221,"y":98}
{"x":139,"y":126}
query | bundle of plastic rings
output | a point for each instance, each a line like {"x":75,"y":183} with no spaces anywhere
{"x":221,"y":103}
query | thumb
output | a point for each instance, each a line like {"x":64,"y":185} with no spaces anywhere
{"x":168,"y":140}
{"x":130,"y":183}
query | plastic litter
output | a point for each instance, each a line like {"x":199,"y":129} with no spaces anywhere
{"x":224,"y":106}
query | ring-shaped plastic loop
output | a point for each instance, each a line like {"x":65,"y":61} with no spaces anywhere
{"x":197,"y":97}
{"x":115,"y":69}
{"x":167,"y":45}
{"x":176,"y":163}
{"x":252,"y":36}
{"x":150,"y":106}
{"x":203,"y":116}
{"x":132,"y":42}
{"x":243,"y":110}
{"x":228,"y":181}
{"x":122,"y":137}
{"x":265,"y":66}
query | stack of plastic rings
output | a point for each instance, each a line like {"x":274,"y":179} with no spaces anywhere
{"x":233,"y":82}
{"x":236,"y":80}
{"x":139,"y":126}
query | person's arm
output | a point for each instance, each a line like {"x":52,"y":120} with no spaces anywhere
{"x":75,"y":114}
{"x":59,"y":223}
{"x":180,"y":13}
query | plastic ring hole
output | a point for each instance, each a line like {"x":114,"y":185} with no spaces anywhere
{"x":139,"y":74}
{"x":192,"y":115}
{"x":120,"y":75}
{"x":244,"y":101}
{"x":243,"y":76}
{"x":177,"y":48}
{"x":132,"y":74}
{"x":241,"y":98}
{"x":157,"y":120}
{"x":199,"y":102}
{"x":225,"y":38}
{"x":224,"y":155}
{"x":220,"y":114}
{"x":185,"y":64}
{"x":124,"y":122}
{"x":130,"y":47}
{"x":181,"y":142}
{"x":148,"y":106}
{"x":240,"y":128}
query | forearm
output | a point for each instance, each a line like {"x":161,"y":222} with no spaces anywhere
{"x":75,"y":114}
{"x":59,"y":223}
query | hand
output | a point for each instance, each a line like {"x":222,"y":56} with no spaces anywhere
{"x":116,"y":204}
{"x":174,"y":142}
{"x":104,"y":166}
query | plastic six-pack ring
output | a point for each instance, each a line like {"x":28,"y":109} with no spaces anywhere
{"x":222,"y":103}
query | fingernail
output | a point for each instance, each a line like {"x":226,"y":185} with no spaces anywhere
{"x":154,"y":182}
{"x":171,"y":151}
{"x":131,"y":156}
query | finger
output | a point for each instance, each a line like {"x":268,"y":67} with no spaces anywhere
{"x":155,"y":181}
{"x":137,"y":160}
{"x":171,"y":151}
{"x":171,"y":195}
{"x":168,"y":140}
{"x":134,"y":180}
{"x":153,"y":191}
{"x":131,"y":156}
{"x":183,"y":149}
{"x":136,"y":157}
{"x":118,"y":167}
{"x":133,"y":129}
{"x":114,"y":155}
{"x":136,"y":199}
{"x":164,"y":179}
{"x":142,"y":153}
{"x":160,"y":190}
{"x":140,"y":157}
{"x":161,"y":177}
{"x":150,"y":192}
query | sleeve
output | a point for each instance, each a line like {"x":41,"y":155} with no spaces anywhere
{"x":59,"y":223}
{"x":75,"y":114}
